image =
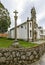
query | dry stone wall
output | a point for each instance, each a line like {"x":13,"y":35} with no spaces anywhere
{"x":21,"y":56}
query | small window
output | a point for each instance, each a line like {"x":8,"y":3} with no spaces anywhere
{"x":30,"y":24}
{"x":41,"y":31}
{"x":30,"y":33}
{"x":21,"y":26}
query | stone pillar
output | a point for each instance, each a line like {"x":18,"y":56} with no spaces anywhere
{"x":32,"y":31}
{"x":15,"y":24}
{"x":16,"y":43}
{"x":27,"y":28}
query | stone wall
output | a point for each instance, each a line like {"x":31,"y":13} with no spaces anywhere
{"x":21,"y":56}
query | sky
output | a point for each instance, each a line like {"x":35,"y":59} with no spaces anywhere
{"x":24,"y":10}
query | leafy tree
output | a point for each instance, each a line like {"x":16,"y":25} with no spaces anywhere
{"x":4,"y":19}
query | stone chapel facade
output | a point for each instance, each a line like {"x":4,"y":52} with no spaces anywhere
{"x":27,"y":30}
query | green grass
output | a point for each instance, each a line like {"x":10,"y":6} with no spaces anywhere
{"x":5,"y":43}
{"x":27,"y":44}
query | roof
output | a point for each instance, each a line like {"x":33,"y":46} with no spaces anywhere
{"x":20,"y":25}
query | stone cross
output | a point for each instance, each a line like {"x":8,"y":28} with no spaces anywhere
{"x":15,"y":24}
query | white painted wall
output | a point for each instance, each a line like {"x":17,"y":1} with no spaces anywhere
{"x":38,"y":33}
{"x":18,"y":32}
{"x":22,"y":32}
{"x":12,"y":34}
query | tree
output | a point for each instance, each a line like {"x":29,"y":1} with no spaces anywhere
{"x":4,"y":19}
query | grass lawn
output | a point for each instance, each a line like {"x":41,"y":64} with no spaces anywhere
{"x":4,"y":43}
{"x":27,"y":44}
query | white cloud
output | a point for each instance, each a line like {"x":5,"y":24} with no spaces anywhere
{"x":40,"y":16}
{"x":23,"y":7}
{"x":34,"y":0}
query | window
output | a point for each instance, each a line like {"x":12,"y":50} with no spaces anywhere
{"x":30,"y":24}
{"x":30,"y":33}
{"x":41,"y":31}
{"x":21,"y":26}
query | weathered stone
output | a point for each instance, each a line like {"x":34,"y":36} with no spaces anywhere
{"x":18,"y":58}
{"x":0,"y":54}
{"x":3,"y":51}
{"x":31,"y":57}
{"x":13,"y":54}
{"x":7,"y":54}
{"x":35,"y":53}
{"x":10,"y":58}
{"x":7,"y":62}
{"x":2,"y":59}
{"x":20,"y":61}
{"x":17,"y":54}
{"x":23,"y":52}
{"x":36,"y":56}
{"x":15,"y":59}
{"x":27,"y":58}
{"x":28,"y":53}
{"x":23,"y":57}
{"x":11,"y":62}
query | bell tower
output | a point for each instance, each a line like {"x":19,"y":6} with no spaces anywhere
{"x":33,"y":19}
{"x":33,"y":14}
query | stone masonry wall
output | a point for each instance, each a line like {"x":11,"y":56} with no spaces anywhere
{"x":21,"y":56}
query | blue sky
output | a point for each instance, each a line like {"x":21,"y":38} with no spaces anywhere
{"x":24,"y":9}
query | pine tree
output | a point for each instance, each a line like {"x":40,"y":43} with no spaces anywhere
{"x":4,"y":19}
